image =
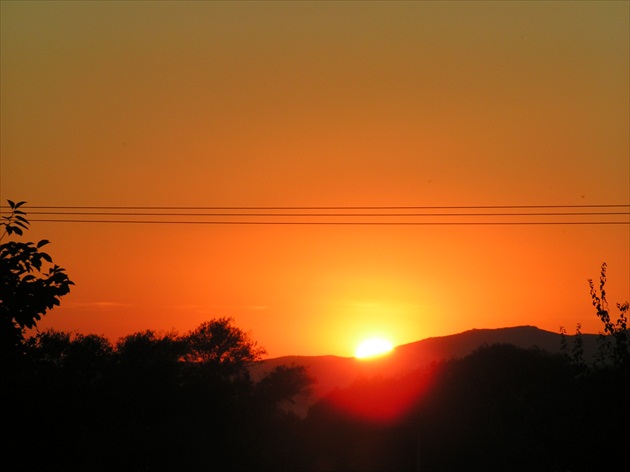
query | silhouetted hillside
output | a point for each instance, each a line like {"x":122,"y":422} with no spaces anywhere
{"x":333,"y":372}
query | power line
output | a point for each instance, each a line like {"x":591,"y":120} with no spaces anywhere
{"x":64,"y":213}
{"x":322,"y":208}
{"x":347,"y":223}
{"x":335,"y":215}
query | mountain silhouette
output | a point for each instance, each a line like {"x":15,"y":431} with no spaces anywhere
{"x":336,"y":372}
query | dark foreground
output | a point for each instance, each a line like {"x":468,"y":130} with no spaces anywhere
{"x":500,"y":408}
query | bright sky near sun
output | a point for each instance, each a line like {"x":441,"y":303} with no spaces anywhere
{"x":318,"y":104}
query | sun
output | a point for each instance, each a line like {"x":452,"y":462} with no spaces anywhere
{"x":373,"y":347}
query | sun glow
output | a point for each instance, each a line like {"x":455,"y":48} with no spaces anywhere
{"x":373,"y":347}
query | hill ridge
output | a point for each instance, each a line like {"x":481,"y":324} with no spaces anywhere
{"x":331,"y":372}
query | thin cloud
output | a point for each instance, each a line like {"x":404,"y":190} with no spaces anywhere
{"x":213,"y":308}
{"x":101,"y":304}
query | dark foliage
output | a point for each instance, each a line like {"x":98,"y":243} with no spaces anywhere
{"x":79,"y":403}
{"x":616,"y":352}
{"x":76,"y":402}
{"x":500,"y":408}
{"x":30,"y":284}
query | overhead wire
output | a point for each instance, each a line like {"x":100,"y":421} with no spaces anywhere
{"x":310,"y":215}
{"x":362,"y":207}
{"x":335,"y":215}
{"x":343,"y":223}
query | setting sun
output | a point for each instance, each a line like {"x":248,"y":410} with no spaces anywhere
{"x":373,"y":347}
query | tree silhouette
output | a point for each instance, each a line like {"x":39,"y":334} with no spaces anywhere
{"x":30,"y":284}
{"x":147,"y":353}
{"x":283,"y":384}
{"x":223,"y":349}
{"x":151,"y":402}
{"x":618,"y":330}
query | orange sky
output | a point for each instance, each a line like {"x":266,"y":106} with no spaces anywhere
{"x":206,"y":104}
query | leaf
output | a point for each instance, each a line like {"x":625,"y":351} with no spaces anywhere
{"x":46,"y":257}
{"x":11,"y":204}
{"x":42,"y":243}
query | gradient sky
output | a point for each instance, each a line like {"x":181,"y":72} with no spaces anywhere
{"x":205,"y":104}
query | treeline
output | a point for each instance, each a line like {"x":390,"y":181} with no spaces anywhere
{"x":151,"y":402}
{"x":502,"y":408}
{"x":187,"y":403}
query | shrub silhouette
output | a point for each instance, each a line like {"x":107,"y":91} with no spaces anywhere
{"x":619,"y":354}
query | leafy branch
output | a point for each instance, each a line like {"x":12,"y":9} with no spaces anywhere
{"x":30,"y":284}
{"x":16,"y":222}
